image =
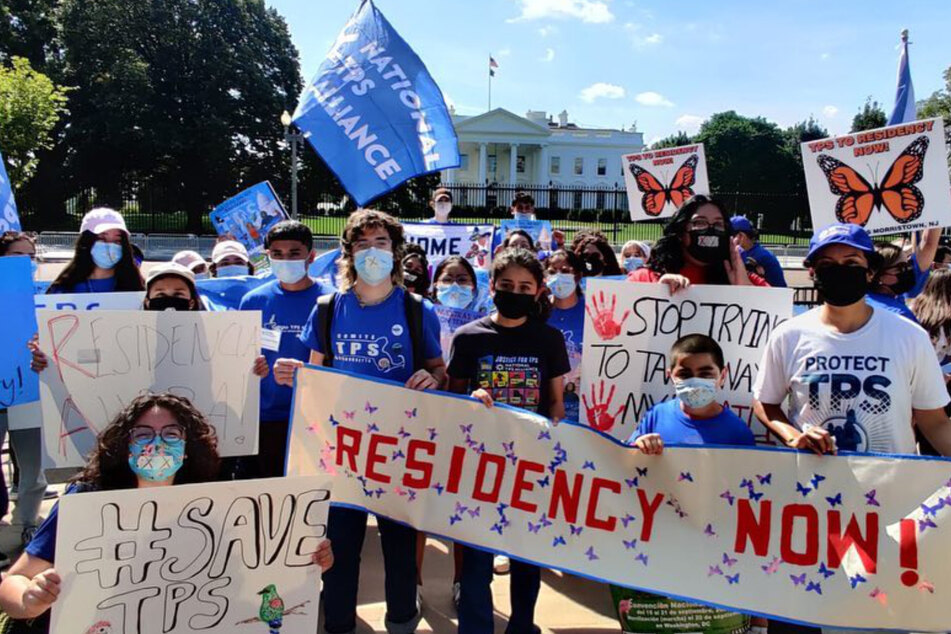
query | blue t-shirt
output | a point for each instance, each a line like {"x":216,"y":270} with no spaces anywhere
{"x":772,"y":269}
{"x":43,"y":544}
{"x":570,"y":322}
{"x":104,"y":285}
{"x":285,"y":312}
{"x":893,"y":304}
{"x":374,"y":340}
{"x":674,"y":426}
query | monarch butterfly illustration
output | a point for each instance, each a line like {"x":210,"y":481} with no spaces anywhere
{"x":656,"y":196}
{"x":896,"y":194}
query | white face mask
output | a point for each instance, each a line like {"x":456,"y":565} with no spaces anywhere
{"x":524,"y":216}
{"x":289,"y":271}
{"x":633,"y":263}
{"x":232,"y":270}
{"x":696,"y":393}
{"x":442,"y":210}
{"x":562,"y":285}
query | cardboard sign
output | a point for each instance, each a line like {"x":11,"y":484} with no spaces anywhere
{"x":628,"y":332}
{"x":659,"y":181}
{"x":539,"y":230}
{"x":221,"y":558}
{"x":473,"y":242}
{"x":247,"y":217}
{"x":18,"y":384}
{"x":101,"y":360}
{"x":887,"y":180}
{"x":852,"y":541}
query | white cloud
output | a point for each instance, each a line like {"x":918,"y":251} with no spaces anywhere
{"x":601,"y":90}
{"x":653,"y":38}
{"x":545,"y":31}
{"x":593,"y":11}
{"x":689,"y":123}
{"x":653,"y":99}
{"x":639,"y":40}
{"x":549,"y":55}
{"x":830,"y":111}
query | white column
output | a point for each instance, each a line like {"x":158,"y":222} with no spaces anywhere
{"x":513,"y":154}
{"x":483,"y":159}
{"x":541,"y":170}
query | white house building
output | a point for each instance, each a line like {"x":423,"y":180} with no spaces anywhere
{"x":502,"y":147}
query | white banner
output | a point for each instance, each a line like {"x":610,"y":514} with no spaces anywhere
{"x":221,"y":558}
{"x":100,"y":360}
{"x":887,"y":180}
{"x":629,"y":329}
{"x":473,"y":242}
{"x":131,"y":300}
{"x":659,"y":181}
{"x":848,"y":541}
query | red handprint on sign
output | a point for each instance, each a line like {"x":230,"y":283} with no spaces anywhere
{"x":603,"y":317}
{"x":598,"y":415}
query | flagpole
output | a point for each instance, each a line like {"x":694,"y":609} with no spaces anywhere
{"x":490,"y":83}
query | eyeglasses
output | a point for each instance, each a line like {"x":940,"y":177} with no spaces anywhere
{"x":701,"y":224}
{"x":145,"y":434}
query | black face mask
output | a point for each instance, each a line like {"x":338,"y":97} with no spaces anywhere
{"x":710,"y":245}
{"x":514,"y":305}
{"x":842,"y":285}
{"x":906,"y":282}
{"x":593,"y":265}
{"x":166,"y":302}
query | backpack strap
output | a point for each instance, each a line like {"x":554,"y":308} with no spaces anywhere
{"x":325,"y":312}
{"x":413,"y":304}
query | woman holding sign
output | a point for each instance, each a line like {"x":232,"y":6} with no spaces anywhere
{"x":697,"y":248}
{"x":567,"y":315}
{"x":152,"y":426}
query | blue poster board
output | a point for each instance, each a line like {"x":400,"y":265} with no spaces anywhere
{"x":248,"y":217}
{"x":18,"y":383}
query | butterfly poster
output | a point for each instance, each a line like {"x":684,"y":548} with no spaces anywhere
{"x":658,"y":182}
{"x":887,"y":180}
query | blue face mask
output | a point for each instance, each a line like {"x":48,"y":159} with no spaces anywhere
{"x":202,"y":276}
{"x":454,"y":295}
{"x":632,"y":264}
{"x":562,"y":285}
{"x":232,"y":270}
{"x":289,"y":271}
{"x":373,"y":265}
{"x":696,"y":392}
{"x":106,"y":255}
{"x":156,"y":460}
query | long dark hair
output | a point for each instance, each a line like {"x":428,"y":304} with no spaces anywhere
{"x":464,"y":263}
{"x":128,"y":277}
{"x":667,"y":256}
{"x":600,"y":241}
{"x":107,"y":467}
{"x":527,"y":260}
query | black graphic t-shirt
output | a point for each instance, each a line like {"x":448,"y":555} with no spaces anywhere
{"x":514,"y":364}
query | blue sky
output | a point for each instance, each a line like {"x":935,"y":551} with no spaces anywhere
{"x":664,"y":65}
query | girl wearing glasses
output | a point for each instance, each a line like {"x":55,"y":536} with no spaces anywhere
{"x":157,"y":440}
{"x":697,"y":248}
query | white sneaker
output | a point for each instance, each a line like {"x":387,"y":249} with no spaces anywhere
{"x":501,"y":565}
{"x":456,"y":594}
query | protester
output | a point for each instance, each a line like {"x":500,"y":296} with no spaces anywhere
{"x":695,"y":416}
{"x":285,"y":304}
{"x":696,"y":248}
{"x":596,"y":253}
{"x":567,"y":315}
{"x":229,"y":258}
{"x":441,"y":204}
{"x":372,"y":306}
{"x":523,"y":212}
{"x":25,"y":444}
{"x":635,"y":255}
{"x":193,"y":261}
{"x":942,"y":258}
{"x":103,"y":260}
{"x":490,"y":358}
{"x":932,"y":309}
{"x":416,"y":270}
{"x":153,"y":424}
{"x":518,"y":239}
{"x":858,"y":378}
{"x":921,"y":251}
{"x":750,"y":249}
{"x":171,"y":286}
{"x":894,"y":280}
{"x":455,"y":283}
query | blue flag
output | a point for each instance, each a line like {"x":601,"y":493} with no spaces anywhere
{"x":18,"y":383}
{"x":904,"y":110}
{"x":373,"y":112}
{"x":9,"y":219}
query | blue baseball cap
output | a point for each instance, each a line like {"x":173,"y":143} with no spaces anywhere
{"x":742,"y":223}
{"x":841,"y":233}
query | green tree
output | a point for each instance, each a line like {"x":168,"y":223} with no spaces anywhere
{"x":674,"y":140}
{"x":939,"y":105}
{"x":30,"y":107}
{"x":28,"y":29}
{"x":869,"y":117}
{"x":795,"y":136}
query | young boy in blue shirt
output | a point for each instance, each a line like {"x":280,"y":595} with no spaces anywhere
{"x":285,"y":304}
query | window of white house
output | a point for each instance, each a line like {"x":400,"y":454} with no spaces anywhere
{"x":464,"y":162}
{"x":579,"y":166}
{"x":555,"y":166}
{"x":520,"y":164}
{"x":602,"y":167}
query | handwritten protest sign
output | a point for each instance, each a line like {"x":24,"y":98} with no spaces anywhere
{"x":844,"y":541}
{"x":886,"y":180}
{"x":659,"y":181}
{"x":101,"y":360}
{"x":630,"y":328}
{"x":539,"y":230}
{"x":131,"y":300}
{"x":221,"y":558}
{"x":18,"y":384}
{"x":473,"y":242}
{"x":247,"y":217}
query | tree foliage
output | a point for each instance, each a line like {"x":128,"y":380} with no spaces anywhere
{"x":939,"y":105}
{"x":674,"y":140}
{"x":30,"y":108}
{"x":869,"y":117}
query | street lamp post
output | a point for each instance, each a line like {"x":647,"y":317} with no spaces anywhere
{"x":292,"y":138}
